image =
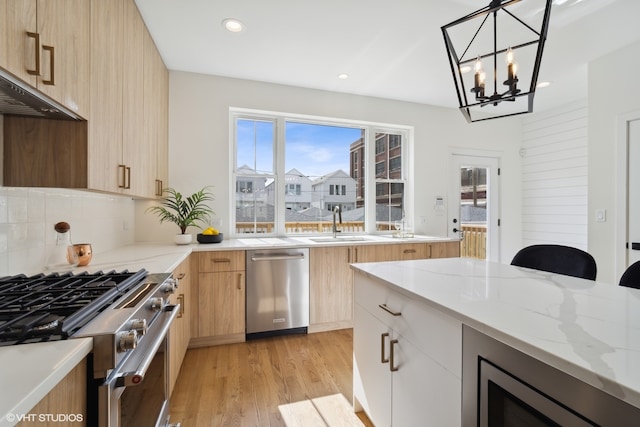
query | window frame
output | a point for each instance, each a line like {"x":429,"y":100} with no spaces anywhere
{"x":368,"y":161}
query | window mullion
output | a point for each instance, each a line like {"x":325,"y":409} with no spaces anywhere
{"x":280,"y":181}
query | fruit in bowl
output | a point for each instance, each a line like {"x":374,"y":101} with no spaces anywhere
{"x":209,"y":235}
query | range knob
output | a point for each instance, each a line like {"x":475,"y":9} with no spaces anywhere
{"x":170,"y":285}
{"x":157,"y":303}
{"x":139,"y":325}
{"x":127,"y":341}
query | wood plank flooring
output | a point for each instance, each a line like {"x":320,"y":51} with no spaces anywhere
{"x":295,"y":380}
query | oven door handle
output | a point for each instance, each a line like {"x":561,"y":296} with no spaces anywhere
{"x":136,"y":376}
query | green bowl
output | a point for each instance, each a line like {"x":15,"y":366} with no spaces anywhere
{"x":209,"y":238}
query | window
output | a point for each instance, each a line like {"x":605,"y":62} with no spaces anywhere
{"x":290,"y":173}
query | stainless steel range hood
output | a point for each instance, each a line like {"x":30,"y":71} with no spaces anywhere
{"x":20,"y":99}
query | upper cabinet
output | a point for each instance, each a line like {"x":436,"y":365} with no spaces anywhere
{"x":46,"y":44}
{"x":124,"y":149}
{"x":156,"y":112}
{"x":121,"y":157}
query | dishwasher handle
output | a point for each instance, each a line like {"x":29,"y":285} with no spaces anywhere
{"x":278,"y":257}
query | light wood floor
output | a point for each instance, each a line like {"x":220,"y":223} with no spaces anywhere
{"x":295,"y":380}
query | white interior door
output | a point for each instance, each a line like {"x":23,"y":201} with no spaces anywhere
{"x":474,"y":204}
{"x":633,"y":193}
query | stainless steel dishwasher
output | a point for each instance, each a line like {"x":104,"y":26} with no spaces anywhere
{"x":277,"y":292}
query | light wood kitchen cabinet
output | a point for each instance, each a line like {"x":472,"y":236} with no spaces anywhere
{"x":330,"y":288}
{"x":156,"y":114}
{"x":221,"y":298}
{"x":407,"y":363}
{"x":68,"y":397}
{"x":46,"y":44}
{"x":121,"y":159}
{"x":180,"y":332}
{"x":118,"y":149}
{"x":331,"y":278}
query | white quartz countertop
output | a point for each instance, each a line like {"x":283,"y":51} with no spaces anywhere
{"x":590,"y":330}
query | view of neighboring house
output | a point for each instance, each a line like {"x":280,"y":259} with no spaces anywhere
{"x":334,"y":189}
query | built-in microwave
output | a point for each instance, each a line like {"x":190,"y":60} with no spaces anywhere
{"x":503,"y":387}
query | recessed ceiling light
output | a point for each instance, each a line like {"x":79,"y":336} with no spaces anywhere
{"x":343,"y":76}
{"x":233,"y":25}
{"x":543,"y":84}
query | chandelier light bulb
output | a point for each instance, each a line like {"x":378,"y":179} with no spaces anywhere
{"x":510,"y":56}
{"x":478,"y":65}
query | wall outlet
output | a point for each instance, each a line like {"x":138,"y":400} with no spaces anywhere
{"x":601,"y":215}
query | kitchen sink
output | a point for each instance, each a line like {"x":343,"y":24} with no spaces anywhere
{"x":338,"y":239}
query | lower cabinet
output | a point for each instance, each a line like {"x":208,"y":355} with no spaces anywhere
{"x":180,"y":332}
{"x":68,"y":398}
{"x":220,"y":299}
{"x":407,"y":359}
{"x":331,"y":278}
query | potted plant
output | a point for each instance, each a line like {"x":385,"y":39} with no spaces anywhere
{"x":184,"y":211}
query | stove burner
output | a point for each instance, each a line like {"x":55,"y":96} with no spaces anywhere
{"x":52,"y":307}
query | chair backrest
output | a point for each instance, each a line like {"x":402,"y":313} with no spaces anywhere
{"x":557,"y":259}
{"x":631,"y":276}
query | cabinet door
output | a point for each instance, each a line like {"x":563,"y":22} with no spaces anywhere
{"x":424,"y":393}
{"x":64,"y":55}
{"x":331,"y":285}
{"x":221,"y":303}
{"x":137,"y":151}
{"x":180,"y":329}
{"x":19,"y":50}
{"x":443,"y":250}
{"x":105,"y":126}
{"x":372,"y":376}
{"x":156,"y":89}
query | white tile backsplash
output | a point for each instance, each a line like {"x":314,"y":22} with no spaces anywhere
{"x":27,"y":217}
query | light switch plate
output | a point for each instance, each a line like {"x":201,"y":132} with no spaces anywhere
{"x":601,"y":215}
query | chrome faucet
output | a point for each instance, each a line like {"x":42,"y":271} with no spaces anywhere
{"x":336,"y":210}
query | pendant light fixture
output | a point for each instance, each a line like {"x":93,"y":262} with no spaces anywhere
{"x":502,"y":44}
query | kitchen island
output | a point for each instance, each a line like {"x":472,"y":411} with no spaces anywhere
{"x":589,"y":330}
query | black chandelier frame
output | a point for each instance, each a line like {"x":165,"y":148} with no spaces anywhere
{"x":512,"y":92}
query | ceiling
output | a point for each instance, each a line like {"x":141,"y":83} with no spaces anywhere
{"x":389,"y":49}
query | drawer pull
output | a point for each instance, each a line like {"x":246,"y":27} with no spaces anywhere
{"x":383,"y":359}
{"x":181,"y":276}
{"x":222,"y":260}
{"x":392,"y":365}
{"x":409,"y":251}
{"x":385,"y":308}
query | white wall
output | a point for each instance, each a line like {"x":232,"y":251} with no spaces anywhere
{"x":199,"y":145}
{"x":555,"y":176}
{"x":614,"y":89}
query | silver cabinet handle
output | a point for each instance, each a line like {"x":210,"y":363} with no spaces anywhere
{"x":385,"y":308}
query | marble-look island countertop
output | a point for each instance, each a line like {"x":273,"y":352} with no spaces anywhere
{"x":590,"y":330}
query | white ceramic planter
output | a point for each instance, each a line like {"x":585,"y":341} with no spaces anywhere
{"x":182,"y":239}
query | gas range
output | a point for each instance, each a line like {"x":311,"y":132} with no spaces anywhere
{"x":128,"y":316}
{"x":115,"y":308}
